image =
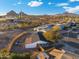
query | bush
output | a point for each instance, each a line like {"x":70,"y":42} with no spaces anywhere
{"x":52,"y":36}
{"x":20,"y":56}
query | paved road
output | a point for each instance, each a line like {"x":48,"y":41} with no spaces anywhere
{"x":70,"y":55}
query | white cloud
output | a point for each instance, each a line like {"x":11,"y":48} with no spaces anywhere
{"x":49,"y":3}
{"x":39,"y":0}
{"x":71,"y":9}
{"x":62,"y":4}
{"x":65,"y":7}
{"x":35,"y":3}
{"x":19,"y":3}
{"x":73,"y":0}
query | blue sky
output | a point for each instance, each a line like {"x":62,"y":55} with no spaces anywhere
{"x":41,"y":7}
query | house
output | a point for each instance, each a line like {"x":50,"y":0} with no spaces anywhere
{"x":70,"y":34}
{"x":40,"y":29}
{"x":33,"y":41}
{"x":43,"y":28}
{"x":57,"y":53}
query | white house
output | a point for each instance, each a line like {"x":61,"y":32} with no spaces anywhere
{"x":33,"y":41}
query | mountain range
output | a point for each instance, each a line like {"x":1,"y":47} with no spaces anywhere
{"x":13,"y":13}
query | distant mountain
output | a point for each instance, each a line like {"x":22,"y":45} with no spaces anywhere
{"x":67,"y":14}
{"x":22,"y":14}
{"x":11,"y":13}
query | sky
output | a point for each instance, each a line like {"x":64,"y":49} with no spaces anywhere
{"x":39,"y":7}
